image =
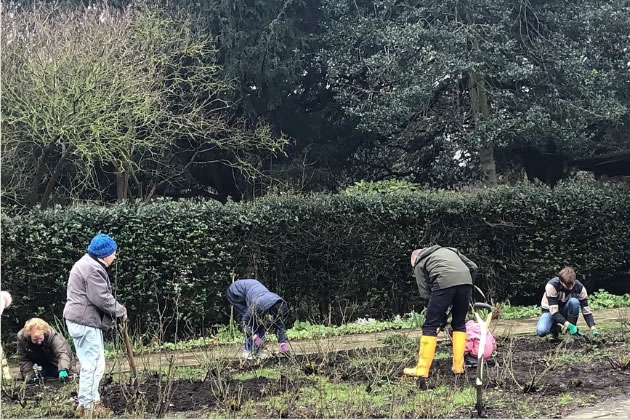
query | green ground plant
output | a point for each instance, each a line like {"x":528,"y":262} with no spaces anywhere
{"x":601,"y":299}
{"x":306,"y":330}
{"x":301,"y":330}
{"x":518,"y":312}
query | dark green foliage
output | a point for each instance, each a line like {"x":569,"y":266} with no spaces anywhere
{"x":347,"y":251}
{"x":549,"y":71}
{"x":379,"y":89}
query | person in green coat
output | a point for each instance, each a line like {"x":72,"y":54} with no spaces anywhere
{"x":445,"y":278}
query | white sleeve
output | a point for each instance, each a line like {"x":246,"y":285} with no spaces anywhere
{"x":4,"y":296}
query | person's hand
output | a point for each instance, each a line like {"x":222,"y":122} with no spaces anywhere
{"x":572,"y":329}
{"x":32,"y":380}
{"x":63,"y":375}
{"x":284,"y":347}
{"x":595,"y":332}
{"x":257,"y":340}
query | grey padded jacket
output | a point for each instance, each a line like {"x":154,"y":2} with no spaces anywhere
{"x":89,"y":297}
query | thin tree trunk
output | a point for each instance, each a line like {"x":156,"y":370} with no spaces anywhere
{"x":122,"y":184}
{"x":41,"y":166}
{"x":55,"y":175}
{"x":488,"y":167}
{"x":150,"y":194}
{"x":153,"y":189}
{"x":480,"y":111}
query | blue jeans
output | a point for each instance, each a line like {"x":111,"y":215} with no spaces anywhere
{"x":545,"y":323}
{"x":88,"y":342}
{"x":249,"y":342}
{"x":240,"y":307}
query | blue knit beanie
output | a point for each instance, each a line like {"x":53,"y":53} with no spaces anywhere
{"x":102,"y":246}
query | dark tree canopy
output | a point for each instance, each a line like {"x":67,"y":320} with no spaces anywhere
{"x":441,"y":93}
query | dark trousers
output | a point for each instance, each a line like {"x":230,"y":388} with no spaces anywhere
{"x":48,"y":370}
{"x":240,"y":307}
{"x":441,"y":299}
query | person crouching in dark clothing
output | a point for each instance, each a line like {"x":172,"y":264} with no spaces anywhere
{"x":258,"y":310}
{"x":40,"y":344}
{"x":445,"y":277}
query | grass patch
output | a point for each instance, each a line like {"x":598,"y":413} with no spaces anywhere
{"x":569,"y":398}
{"x":525,"y":408}
{"x":439,"y":402}
{"x":269,"y":373}
{"x":607,"y":326}
{"x":327,"y":399}
{"x":191,"y":373}
{"x":571,"y":358}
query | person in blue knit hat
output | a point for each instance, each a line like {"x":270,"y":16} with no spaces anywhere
{"x":102,"y":246}
{"x":90,"y":309}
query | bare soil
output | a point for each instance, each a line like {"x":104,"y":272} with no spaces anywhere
{"x":529,"y":377}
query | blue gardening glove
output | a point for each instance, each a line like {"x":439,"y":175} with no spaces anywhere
{"x":63,"y":375}
{"x":595,"y":332}
{"x":572,"y":329}
{"x":257,"y":340}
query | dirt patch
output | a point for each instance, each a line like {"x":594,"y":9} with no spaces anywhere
{"x":186,"y":395}
{"x":36,"y":392}
{"x":529,"y":377}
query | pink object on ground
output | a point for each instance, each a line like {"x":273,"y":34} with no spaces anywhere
{"x":284,"y":347}
{"x":473,"y":336}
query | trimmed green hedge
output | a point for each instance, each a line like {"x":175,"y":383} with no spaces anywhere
{"x":329,"y":256}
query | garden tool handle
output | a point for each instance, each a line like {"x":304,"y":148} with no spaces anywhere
{"x":128,"y":349}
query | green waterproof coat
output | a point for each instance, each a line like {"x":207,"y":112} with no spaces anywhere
{"x":437,"y":267}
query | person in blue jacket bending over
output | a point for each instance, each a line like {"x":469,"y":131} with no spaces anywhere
{"x":258,"y":310}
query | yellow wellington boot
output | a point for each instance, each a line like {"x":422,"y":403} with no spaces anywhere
{"x":459,"y":346}
{"x":425,"y":357}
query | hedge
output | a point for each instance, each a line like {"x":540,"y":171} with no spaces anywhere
{"x":333,"y":257}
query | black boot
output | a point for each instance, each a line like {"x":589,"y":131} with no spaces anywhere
{"x":555,"y":332}
{"x":470,"y":361}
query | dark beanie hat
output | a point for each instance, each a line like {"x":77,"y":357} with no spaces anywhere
{"x":102,"y":246}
